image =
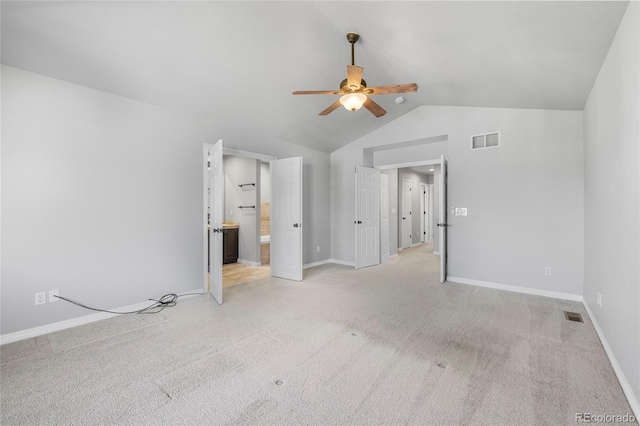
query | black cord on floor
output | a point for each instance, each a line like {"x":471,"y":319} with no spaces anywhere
{"x":168,"y":300}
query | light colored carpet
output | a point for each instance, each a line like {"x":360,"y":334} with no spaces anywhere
{"x":381,"y":345}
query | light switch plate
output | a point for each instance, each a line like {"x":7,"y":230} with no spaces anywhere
{"x":461,"y":211}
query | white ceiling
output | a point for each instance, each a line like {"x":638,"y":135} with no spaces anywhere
{"x":238,"y":62}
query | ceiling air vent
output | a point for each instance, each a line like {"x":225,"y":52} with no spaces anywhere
{"x":486,"y":140}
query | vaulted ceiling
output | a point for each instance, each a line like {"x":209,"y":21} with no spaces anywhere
{"x":238,"y":62}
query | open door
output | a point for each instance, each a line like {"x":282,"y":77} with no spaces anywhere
{"x":286,"y":218}
{"x":385,"y":248}
{"x":367,"y":221}
{"x":406,"y":239}
{"x":214,"y":181}
{"x":442,"y":225}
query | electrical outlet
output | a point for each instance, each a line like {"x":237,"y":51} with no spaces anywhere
{"x":547,"y":270}
{"x":53,"y":295}
{"x":599,"y":299}
{"x":41,"y":298}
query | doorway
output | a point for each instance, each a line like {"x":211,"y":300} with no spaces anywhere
{"x":232,"y":203}
{"x":244,"y":201}
{"x":433,"y":196}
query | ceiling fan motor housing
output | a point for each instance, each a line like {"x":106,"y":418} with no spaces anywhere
{"x":344,"y":87}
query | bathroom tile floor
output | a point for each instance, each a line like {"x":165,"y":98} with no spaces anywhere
{"x":237,"y":273}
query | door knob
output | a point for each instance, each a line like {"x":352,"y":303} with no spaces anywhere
{"x":296,"y":225}
{"x":441,"y":224}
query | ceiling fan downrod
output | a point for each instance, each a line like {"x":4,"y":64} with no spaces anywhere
{"x":353,"y":38}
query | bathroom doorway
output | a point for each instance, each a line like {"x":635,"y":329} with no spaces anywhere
{"x":247,"y":217}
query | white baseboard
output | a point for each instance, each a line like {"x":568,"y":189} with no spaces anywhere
{"x":624,"y":383}
{"x":249,"y":262}
{"x":393,"y":256}
{"x":313,"y":264}
{"x":342,"y":262}
{"x":517,"y":289}
{"x":74,"y":322}
{"x":436,"y":253}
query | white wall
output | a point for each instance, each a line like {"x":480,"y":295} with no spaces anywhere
{"x":265,"y":183}
{"x":102,"y":197}
{"x":525,"y":199}
{"x":612,"y":198}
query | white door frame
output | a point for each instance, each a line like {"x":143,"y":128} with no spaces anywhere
{"x":263,"y":158}
{"x":443,"y":219}
{"x":226,"y":151}
{"x":431,"y":162}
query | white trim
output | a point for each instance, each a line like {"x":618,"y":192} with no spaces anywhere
{"x":517,"y":289}
{"x":327,"y":261}
{"x":436,"y":253}
{"x":410,"y":164}
{"x":74,"y":322}
{"x":405,"y":144}
{"x":240,"y":153}
{"x":314,"y":264}
{"x":393,"y":256}
{"x":342,"y":262}
{"x":624,"y":383}
{"x":249,"y":262}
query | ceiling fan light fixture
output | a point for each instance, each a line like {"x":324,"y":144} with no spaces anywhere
{"x":353,"y":101}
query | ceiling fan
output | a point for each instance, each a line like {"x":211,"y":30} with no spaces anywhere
{"x":354,"y":90}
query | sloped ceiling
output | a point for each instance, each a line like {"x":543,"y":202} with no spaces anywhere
{"x":238,"y":62}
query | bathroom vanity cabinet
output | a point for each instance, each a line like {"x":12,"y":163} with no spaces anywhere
{"x":229,"y":245}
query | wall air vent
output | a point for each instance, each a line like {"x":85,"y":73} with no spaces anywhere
{"x":486,"y":140}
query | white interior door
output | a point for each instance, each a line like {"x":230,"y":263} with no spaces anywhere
{"x":214,"y":181}
{"x":286,"y":218}
{"x":423,"y":213}
{"x":367,"y":221}
{"x":407,"y":228}
{"x":385,"y":249}
{"x":442,"y":225}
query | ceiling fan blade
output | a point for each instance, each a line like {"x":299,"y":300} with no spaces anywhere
{"x":354,"y":76}
{"x":392,"y":88}
{"x":374,"y":108}
{"x":315,"y":92}
{"x":331,"y":107}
